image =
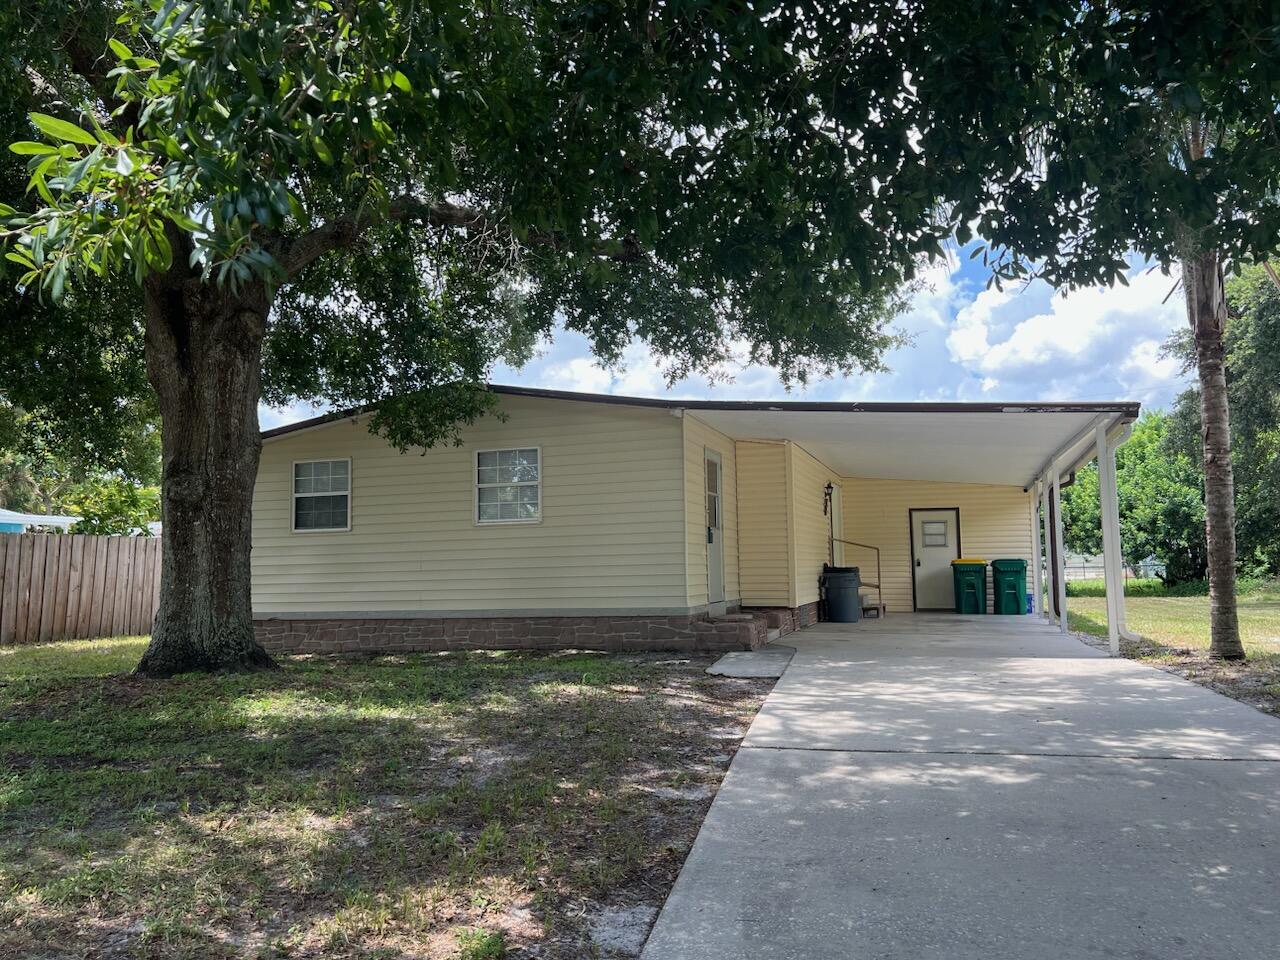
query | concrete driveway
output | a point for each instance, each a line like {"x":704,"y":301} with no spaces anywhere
{"x":951,"y":787}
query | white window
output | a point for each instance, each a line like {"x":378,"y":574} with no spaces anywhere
{"x":935,"y":533}
{"x":322,"y":495}
{"x":509,"y":486}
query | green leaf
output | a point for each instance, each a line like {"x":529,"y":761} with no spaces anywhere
{"x":57,"y":280}
{"x":401,"y":81}
{"x":322,"y":151}
{"x":250,"y":74}
{"x":163,"y":249}
{"x":298,"y":210}
{"x":184,"y":222}
{"x":119,"y":49}
{"x":31,"y":148}
{"x":20,"y":258}
{"x":124,"y":163}
{"x":62,"y":130}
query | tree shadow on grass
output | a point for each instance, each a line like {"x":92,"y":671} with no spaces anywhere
{"x":346,"y":807}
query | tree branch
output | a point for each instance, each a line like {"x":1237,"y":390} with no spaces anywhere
{"x":91,"y":63}
{"x":1271,"y":273}
{"x":345,"y":231}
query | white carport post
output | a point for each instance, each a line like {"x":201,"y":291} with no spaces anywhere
{"x":1047,"y":612}
{"x":1108,"y":503}
{"x":1112,"y":558}
{"x":1037,"y":563}
{"x":1055,"y":479}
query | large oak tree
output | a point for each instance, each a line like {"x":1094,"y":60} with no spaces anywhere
{"x":369,"y":201}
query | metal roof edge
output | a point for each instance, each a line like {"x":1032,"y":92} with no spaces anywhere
{"x":1127,"y":409}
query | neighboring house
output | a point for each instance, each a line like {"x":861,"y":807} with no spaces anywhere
{"x":578,"y":520}
{"x":12,"y":521}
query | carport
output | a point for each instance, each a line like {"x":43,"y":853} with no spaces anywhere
{"x":1036,"y":447}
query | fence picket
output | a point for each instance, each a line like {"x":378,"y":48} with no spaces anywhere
{"x":22,"y":602}
{"x":8,"y":547}
{"x":61,"y":588}
{"x":99,"y":608}
{"x":151,"y":571}
{"x":75,"y":583}
{"x":89,"y":569}
{"x":35,"y":600}
{"x":112,"y":598}
{"x":138,"y":593}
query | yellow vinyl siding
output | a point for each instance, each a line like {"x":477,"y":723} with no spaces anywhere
{"x":612,"y":534}
{"x":995,"y":522}
{"x":810,"y":526}
{"x":763,"y":540}
{"x":698,"y":438}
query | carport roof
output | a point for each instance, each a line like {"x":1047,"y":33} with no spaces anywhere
{"x":1003,"y":443}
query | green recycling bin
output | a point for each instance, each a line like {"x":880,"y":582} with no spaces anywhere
{"x":969,"y":575}
{"x":1009,"y":582}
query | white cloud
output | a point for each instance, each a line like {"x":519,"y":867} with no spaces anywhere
{"x":582,"y":374}
{"x":269,"y":417}
{"x":969,"y":337}
{"x":1086,"y":344}
{"x":1145,"y":360}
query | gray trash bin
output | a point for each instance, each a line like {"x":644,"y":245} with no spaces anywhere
{"x":839,"y":588}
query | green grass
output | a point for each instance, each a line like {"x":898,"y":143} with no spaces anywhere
{"x":71,"y":658}
{"x":481,"y":945}
{"x":1245,"y":587}
{"x":392,"y":806}
{"x":1175,"y":633}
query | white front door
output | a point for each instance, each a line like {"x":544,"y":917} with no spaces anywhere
{"x":935,"y":542}
{"x":715,"y":531}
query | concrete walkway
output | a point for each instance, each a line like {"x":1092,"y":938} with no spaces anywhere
{"x":982,"y":787}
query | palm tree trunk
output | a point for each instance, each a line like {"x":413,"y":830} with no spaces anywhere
{"x":1207,"y":314}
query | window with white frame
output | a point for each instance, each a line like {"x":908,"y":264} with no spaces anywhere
{"x":508,"y":486}
{"x":322,"y":495}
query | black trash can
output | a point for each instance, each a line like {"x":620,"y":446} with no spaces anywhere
{"x":839,"y":588}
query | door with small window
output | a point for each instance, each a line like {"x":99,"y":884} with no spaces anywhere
{"x":935,"y":542}
{"x":715,"y":529}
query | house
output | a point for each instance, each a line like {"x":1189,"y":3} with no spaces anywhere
{"x":581,"y":520}
{"x":13,"y":521}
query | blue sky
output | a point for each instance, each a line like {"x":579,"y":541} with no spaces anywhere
{"x":968,"y":343}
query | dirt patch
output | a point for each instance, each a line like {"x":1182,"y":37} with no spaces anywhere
{"x":1255,"y":681}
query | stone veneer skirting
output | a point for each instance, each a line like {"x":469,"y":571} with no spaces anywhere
{"x":788,"y":619}
{"x":747,"y":630}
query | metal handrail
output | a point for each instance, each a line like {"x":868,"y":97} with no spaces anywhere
{"x":865,"y":546}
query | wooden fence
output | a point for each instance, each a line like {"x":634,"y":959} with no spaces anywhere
{"x":56,"y":587}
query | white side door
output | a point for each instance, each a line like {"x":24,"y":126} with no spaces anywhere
{"x":715,"y":530}
{"x":935,"y":542}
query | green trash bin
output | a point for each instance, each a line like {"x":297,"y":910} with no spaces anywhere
{"x":1009,"y":582}
{"x":969,"y":575}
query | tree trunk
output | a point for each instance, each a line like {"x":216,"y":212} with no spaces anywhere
{"x":204,"y":359}
{"x":1207,"y":313}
